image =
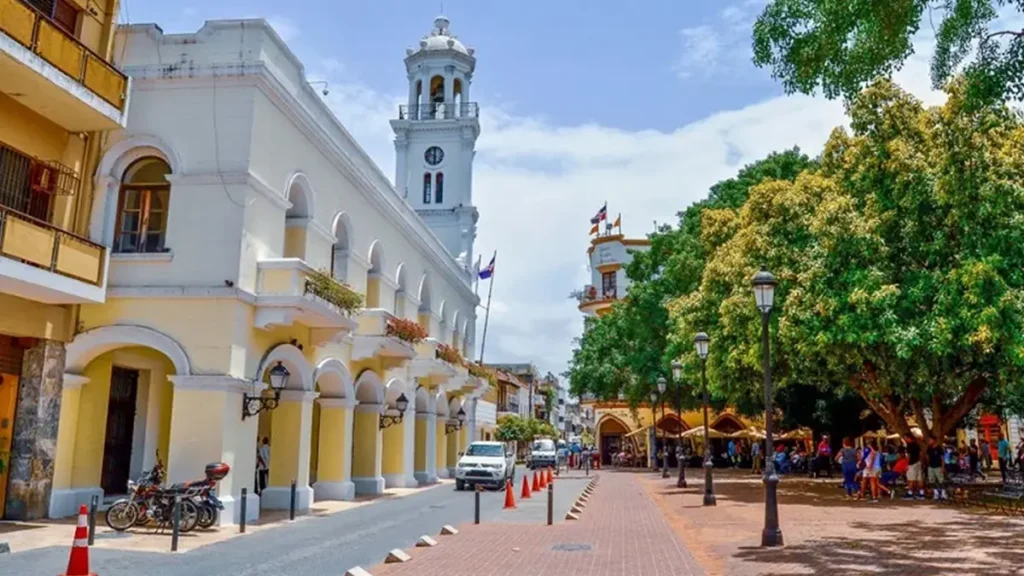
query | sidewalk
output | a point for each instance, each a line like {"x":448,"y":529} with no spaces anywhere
{"x":24,"y":536}
{"x":620,"y":533}
{"x":826,"y":534}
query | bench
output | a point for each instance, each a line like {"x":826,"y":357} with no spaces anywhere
{"x":1009,"y":498}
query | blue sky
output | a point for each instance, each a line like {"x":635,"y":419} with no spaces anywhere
{"x":643,"y":106}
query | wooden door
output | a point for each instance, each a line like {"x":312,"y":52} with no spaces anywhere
{"x":8,"y":398}
{"x":117,"y":446}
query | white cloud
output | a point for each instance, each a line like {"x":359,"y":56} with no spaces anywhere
{"x":701,"y":49}
{"x":537,"y":183}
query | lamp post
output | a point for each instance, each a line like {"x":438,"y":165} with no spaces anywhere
{"x":662,"y":385}
{"x":654,"y":416}
{"x":677,"y":377}
{"x":764,"y":296}
{"x":253,"y":405}
{"x":702,"y":342}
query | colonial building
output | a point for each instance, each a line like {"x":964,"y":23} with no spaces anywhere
{"x":59,"y":95}
{"x":609,"y":255}
{"x":245,"y":225}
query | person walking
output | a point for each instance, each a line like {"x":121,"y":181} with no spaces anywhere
{"x":755,"y":454}
{"x":915,"y":469}
{"x":1004,"y":455}
{"x":871,"y":470}
{"x":823,"y":463}
{"x":974,"y":460}
{"x":847,"y":459}
{"x":986,"y":454}
{"x":936,"y":469}
{"x":263,"y":464}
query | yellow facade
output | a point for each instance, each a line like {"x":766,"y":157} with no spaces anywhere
{"x":59,"y":96}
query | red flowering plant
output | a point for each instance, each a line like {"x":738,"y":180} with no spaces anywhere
{"x":407,"y":330}
{"x":450,"y":355}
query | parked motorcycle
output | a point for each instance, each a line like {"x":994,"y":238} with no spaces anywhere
{"x":147,"y":501}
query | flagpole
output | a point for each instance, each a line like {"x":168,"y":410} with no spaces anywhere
{"x":487,"y":313}
{"x":476,"y":273}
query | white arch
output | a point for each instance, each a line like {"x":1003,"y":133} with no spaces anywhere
{"x":423,"y":405}
{"x":343,"y":220}
{"x":393,"y":390}
{"x":334,"y":379}
{"x":91,"y":343}
{"x":376,"y":257}
{"x":441,"y":404}
{"x":454,"y":405}
{"x":111,"y":168}
{"x":423,"y":293}
{"x":308,"y":196}
{"x":455,"y":326}
{"x":291,"y":358}
{"x":368,"y":388}
{"x":400,"y":277}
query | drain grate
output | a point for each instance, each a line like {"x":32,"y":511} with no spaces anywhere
{"x":572,"y":548}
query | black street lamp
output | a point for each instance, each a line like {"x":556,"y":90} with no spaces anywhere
{"x":764,"y":296}
{"x":388,"y":420}
{"x":677,"y":377}
{"x":253,"y":405}
{"x":455,"y":424}
{"x":654,"y":416}
{"x":662,"y":385}
{"x":702,"y":342}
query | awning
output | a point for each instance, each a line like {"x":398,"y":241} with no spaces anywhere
{"x":699,"y":433}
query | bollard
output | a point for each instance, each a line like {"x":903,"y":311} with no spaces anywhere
{"x":241,"y":519}
{"x":175,"y":523}
{"x":94,"y":503}
{"x":586,"y":466}
{"x":476,"y":503}
{"x":551,"y":504}
{"x":291,"y":506}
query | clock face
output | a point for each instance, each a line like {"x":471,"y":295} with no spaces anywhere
{"x":434,"y":155}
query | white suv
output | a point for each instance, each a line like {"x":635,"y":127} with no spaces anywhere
{"x":489,"y":463}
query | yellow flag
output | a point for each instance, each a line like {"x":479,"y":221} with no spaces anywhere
{"x":593,"y":229}
{"x":618,"y":222}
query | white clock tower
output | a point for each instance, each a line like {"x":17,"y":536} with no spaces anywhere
{"x":435,"y":139}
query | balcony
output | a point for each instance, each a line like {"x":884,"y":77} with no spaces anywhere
{"x":373,"y":339}
{"x":439,"y":111}
{"x":591,"y":301}
{"x":289,"y":291}
{"x":427,"y":367}
{"x":40,"y":261}
{"x":49,"y":71}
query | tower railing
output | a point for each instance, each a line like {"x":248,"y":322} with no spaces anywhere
{"x":439,"y":111}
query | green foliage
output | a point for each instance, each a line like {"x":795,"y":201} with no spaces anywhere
{"x":630,"y":347}
{"x":512,"y":428}
{"x":843,"y":45}
{"x":899,"y":264}
{"x":321,"y":284}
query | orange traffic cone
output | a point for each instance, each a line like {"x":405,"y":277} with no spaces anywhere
{"x":550,"y":479}
{"x":525,"y":494}
{"x":543,"y":480}
{"x":78,"y":564}
{"x":536,"y":482}
{"x":510,"y":498}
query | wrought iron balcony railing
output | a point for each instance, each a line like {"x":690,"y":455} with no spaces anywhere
{"x":34,"y":30}
{"x":439,"y":111}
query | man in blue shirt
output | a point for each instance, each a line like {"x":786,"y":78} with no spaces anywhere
{"x":1004,"y":456}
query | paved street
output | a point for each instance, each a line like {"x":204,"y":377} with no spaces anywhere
{"x":621,"y":532}
{"x":323,"y":546}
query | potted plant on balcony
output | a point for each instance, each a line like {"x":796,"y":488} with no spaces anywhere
{"x":405,"y":330}
{"x":322,"y":285}
{"x":450,"y":355}
{"x":480,"y":371}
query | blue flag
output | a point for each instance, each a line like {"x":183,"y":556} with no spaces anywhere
{"x":489,"y":271}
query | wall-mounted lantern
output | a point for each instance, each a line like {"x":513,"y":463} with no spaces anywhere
{"x":253,"y":405}
{"x":455,"y":424}
{"x":387,"y":420}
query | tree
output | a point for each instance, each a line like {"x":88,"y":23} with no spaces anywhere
{"x":900,"y":264}
{"x":512,"y":428}
{"x":842,"y":45}
{"x":627,"y":349}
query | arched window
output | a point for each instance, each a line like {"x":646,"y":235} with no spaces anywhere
{"x":426,"y":188}
{"x":439,"y":189}
{"x":142,"y":207}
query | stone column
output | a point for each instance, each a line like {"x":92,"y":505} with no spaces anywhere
{"x":367,"y":449}
{"x":289,"y":452}
{"x":441,"y":449}
{"x":34,"y":441}
{"x":409,"y":447}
